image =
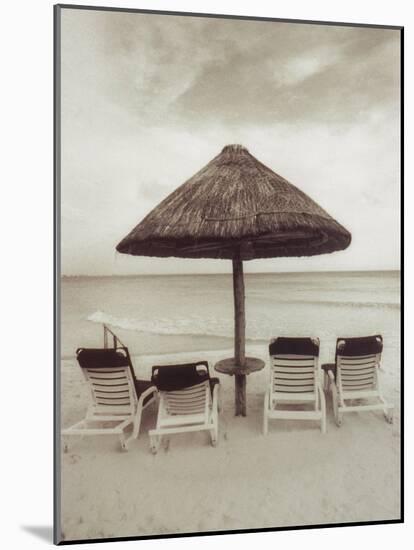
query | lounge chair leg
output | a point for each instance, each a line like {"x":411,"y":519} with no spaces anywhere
{"x":265,"y":425}
{"x":124,"y":442}
{"x":323,"y":410}
{"x":326,"y":381}
{"x":335,"y":404}
{"x":265,"y":417}
{"x":214,"y":437}
{"x":155,"y":442}
{"x":137,"y":423}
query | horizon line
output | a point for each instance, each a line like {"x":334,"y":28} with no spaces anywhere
{"x":64,"y":276}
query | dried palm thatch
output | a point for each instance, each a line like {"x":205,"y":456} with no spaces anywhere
{"x":236,"y":207}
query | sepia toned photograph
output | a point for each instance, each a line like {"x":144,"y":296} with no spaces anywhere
{"x":228,"y":313}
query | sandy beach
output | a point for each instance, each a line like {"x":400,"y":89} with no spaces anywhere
{"x":294,"y":476}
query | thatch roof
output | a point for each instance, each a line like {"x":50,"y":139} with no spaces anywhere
{"x":236,"y":207}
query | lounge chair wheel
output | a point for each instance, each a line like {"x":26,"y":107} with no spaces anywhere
{"x":214,"y":442}
{"x":124,"y":446}
{"x":339,"y":421}
{"x":65,"y":448}
{"x":154,"y":449}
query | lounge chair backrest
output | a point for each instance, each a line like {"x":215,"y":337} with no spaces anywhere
{"x":192,"y":400}
{"x":185,"y":388}
{"x":179,"y":377}
{"x":110,"y":378}
{"x":357,"y":360}
{"x":294,"y":365}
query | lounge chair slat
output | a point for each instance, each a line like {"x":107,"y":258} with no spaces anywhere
{"x":293,"y":364}
{"x":360,"y":387}
{"x":187,"y":396}
{"x":112,"y":383}
{"x":293,"y":370}
{"x":359,"y":359}
{"x":115,"y":399}
{"x":347,"y":375}
{"x":294,"y":376}
{"x":188,"y":392}
{"x":183,"y":412}
{"x":294,"y":382}
{"x":293,"y":389}
{"x":292,"y":360}
{"x":110,"y":390}
{"x":195,"y":403}
{"x":359,"y":368}
{"x":358,"y":363}
{"x":104,"y":376}
{"x":349,"y":381}
{"x":187,"y":406}
{"x":357,"y":382}
{"x":106,"y":371}
{"x":177,"y":407}
{"x":123,"y":404}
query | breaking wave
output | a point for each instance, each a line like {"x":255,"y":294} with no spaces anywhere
{"x":259,"y":327}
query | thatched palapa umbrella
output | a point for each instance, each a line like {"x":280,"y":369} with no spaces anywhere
{"x":236,"y":208}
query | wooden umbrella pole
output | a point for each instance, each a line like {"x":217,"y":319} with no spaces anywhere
{"x":239,"y":336}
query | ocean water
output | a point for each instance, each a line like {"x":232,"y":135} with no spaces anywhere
{"x":168,"y":314}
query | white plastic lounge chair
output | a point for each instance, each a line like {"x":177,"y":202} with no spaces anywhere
{"x":355,"y":376}
{"x":295,"y":378}
{"x":117,"y":398}
{"x":188,"y":401}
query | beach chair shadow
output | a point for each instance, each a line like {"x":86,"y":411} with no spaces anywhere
{"x":117,"y":398}
{"x":188,"y":401}
{"x":354,"y":377}
{"x":295,"y":390}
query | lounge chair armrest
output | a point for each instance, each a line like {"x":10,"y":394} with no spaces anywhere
{"x":216,"y":390}
{"x":147,"y":392}
{"x":332,"y":382}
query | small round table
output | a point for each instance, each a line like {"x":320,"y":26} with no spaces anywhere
{"x":229,"y":366}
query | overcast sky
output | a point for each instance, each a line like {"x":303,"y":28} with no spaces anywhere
{"x":147,"y":100}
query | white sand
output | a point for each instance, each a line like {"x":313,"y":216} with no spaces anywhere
{"x":294,"y":476}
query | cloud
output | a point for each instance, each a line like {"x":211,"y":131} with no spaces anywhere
{"x":205,"y":71}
